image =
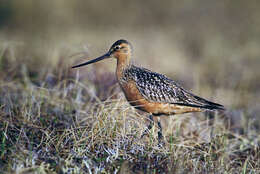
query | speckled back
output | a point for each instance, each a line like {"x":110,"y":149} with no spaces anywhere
{"x":156,"y":87}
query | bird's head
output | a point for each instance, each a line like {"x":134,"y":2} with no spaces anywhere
{"x":121,"y":50}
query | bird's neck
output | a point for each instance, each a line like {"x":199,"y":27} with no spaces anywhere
{"x":122,"y":64}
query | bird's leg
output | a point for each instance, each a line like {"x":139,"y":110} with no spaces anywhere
{"x":160,"y":136}
{"x":146,"y":131}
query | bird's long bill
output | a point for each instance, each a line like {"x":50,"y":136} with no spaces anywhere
{"x":107,"y":55}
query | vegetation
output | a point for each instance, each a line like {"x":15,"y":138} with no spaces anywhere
{"x":57,"y":120}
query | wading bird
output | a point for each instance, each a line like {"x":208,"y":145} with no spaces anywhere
{"x":149,"y":91}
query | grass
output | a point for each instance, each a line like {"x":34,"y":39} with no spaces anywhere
{"x":57,"y":121}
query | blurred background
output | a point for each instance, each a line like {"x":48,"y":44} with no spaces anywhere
{"x":211,"y":47}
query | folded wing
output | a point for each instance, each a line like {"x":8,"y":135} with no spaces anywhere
{"x":156,"y":87}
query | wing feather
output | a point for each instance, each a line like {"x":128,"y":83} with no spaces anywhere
{"x":156,"y":87}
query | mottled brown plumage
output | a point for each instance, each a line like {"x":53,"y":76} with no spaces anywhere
{"x":149,"y":91}
{"x":157,"y":88}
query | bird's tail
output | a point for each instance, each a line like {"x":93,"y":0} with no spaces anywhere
{"x":205,"y":104}
{"x":202,"y":103}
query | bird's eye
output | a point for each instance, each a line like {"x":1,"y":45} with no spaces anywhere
{"x":117,"y":48}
